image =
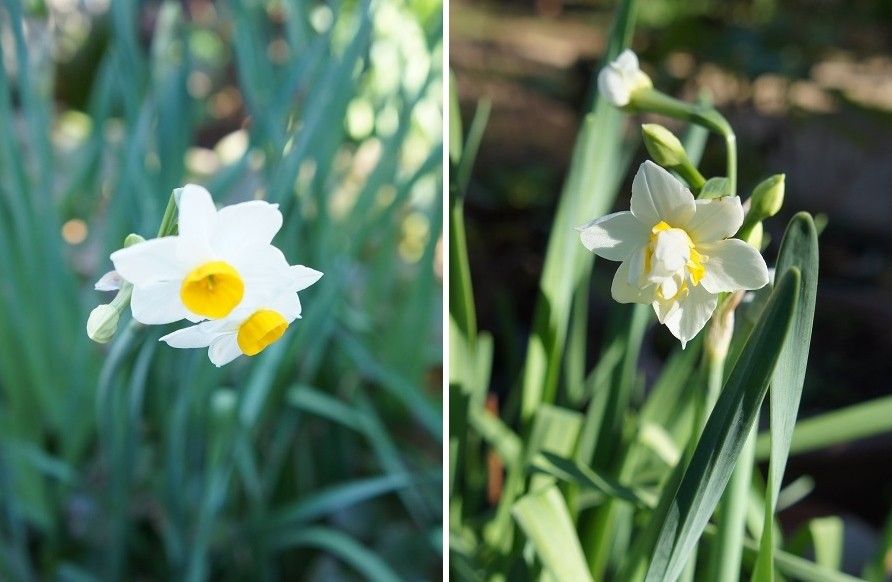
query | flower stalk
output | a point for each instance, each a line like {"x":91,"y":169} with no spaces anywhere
{"x":653,"y":101}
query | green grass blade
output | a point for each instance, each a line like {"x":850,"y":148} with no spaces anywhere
{"x":799,"y":250}
{"x":338,"y":498}
{"x":588,"y":192}
{"x":571,"y":471}
{"x":854,"y":422}
{"x":544,"y":518}
{"x":365,"y":562}
{"x":692,"y":503}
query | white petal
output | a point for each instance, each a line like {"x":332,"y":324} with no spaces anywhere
{"x":615,"y":236}
{"x":188,"y":337}
{"x":732,"y":265}
{"x":197,"y":214}
{"x":266,"y":273}
{"x":288,"y":305}
{"x":715,"y":219}
{"x":245,"y":224}
{"x":111,"y":281}
{"x":693,"y":312}
{"x":623,"y":292}
{"x":670,"y":253}
{"x":627,"y":61}
{"x":658,"y":196}
{"x":157,"y":303}
{"x":613,"y":86}
{"x":669,"y":287}
{"x":224,"y":349}
{"x":149,"y":261}
{"x":635,"y":274}
{"x":303,"y":277}
{"x":664,"y":309}
{"x":199,"y":336}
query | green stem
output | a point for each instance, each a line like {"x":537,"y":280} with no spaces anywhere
{"x":691,"y":175}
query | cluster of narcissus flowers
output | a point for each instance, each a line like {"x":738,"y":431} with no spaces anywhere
{"x":676,"y":251}
{"x":220,"y":272}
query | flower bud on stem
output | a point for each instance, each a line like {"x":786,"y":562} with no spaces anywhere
{"x":653,"y":101}
{"x":666,"y":150}
{"x":766,"y":201}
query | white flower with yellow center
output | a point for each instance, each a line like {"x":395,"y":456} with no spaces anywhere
{"x":252,"y":326}
{"x":621,"y":78}
{"x":218,"y":259}
{"x":675,"y":251}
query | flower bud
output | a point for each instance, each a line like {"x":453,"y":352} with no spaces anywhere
{"x":753,"y":236}
{"x":662,"y":145}
{"x":132,"y":239}
{"x":103,"y":323}
{"x":721,"y":330}
{"x":767,"y":198}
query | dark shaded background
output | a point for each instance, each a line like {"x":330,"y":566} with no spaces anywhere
{"x":808,"y":89}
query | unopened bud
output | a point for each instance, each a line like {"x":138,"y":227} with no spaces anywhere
{"x":721,"y":329}
{"x":103,"y":323}
{"x":132,"y":239}
{"x":664,"y":148}
{"x":753,"y":236}
{"x":767,"y":198}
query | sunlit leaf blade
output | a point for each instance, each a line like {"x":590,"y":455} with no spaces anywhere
{"x":681,"y":521}
{"x":799,"y":250}
{"x":854,"y":422}
{"x":544,"y":518}
{"x":589,"y":191}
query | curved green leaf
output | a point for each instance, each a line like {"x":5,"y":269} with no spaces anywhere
{"x":684,"y":512}
{"x":544,"y":518}
{"x":799,"y":250}
{"x":340,"y":545}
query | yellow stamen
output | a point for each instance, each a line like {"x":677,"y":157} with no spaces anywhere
{"x":695,"y":266}
{"x":213,"y":290}
{"x":260,"y":330}
{"x":660,"y":227}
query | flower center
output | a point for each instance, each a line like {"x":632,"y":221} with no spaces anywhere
{"x":260,"y":330}
{"x":671,"y":253}
{"x":212,"y":289}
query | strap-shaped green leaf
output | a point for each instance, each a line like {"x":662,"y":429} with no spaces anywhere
{"x":799,"y":250}
{"x":544,"y":518}
{"x":685,"y":515}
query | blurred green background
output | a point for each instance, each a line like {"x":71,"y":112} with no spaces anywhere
{"x":808,"y":89}
{"x":319,"y":459}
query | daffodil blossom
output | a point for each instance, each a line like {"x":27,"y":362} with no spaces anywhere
{"x":676,"y":252}
{"x":252,"y":326}
{"x":215,"y":262}
{"x":621,"y":78}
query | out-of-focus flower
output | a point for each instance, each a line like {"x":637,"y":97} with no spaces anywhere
{"x":675,"y":251}
{"x":253,"y":326}
{"x":218,"y":259}
{"x":620,"y":79}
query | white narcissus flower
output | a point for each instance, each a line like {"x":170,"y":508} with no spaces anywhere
{"x":675,"y":251}
{"x":252,"y":326}
{"x":216,"y":261}
{"x":621,"y":78}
